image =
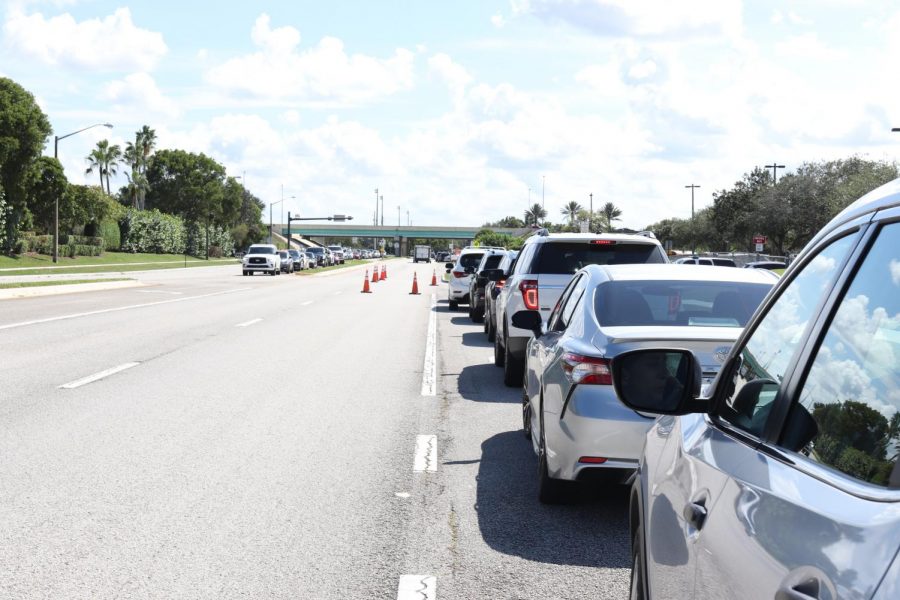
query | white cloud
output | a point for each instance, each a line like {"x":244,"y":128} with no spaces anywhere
{"x":498,"y":21}
{"x":777,"y":17}
{"x":454,"y":75}
{"x":111,"y":43}
{"x":895,"y":271}
{"x":325,"y":72}
{"x":138,"y":94}
{"x":807,"y":45}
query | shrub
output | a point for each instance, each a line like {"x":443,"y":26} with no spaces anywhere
{"x":152,"y":231}
{"x":109,"y":233}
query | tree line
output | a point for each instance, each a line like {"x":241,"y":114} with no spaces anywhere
{"x":192,"y":188}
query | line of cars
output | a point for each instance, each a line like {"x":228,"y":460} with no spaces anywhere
{"x":756,"y":419}
{"x":267,"y":258}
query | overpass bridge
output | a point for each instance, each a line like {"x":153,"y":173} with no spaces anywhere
{"x":396,"y":237}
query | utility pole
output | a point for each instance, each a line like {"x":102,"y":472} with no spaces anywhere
{"x":542,"y":191}
{"x":693,"y":187}
{"x":591,"y":222}
{"x":375,"y":220}
{"x":774,"y":166}
{"x":382,"y":211}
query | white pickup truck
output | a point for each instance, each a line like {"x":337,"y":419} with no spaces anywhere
{"x":422,"y":253}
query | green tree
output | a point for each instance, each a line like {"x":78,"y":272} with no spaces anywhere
{"x":186,"y":184}
{"x":510,"y":222}
{"x":105,"y":160}
{"x":47,"y":185}
{"x":488,"y":237}
{"x":610,"y":213}
{"x":137,"y":156}
{"x":535,"y":214}
{"x":570,"y":211}
{"x":736,"y":213}
{"x":24,"y":130}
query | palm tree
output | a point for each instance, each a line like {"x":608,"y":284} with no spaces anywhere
{"x":95,"y":162}
{"x":137,"y":155}
{"x":105,"y":160}
{"x":610,"y":213}
{"x":570,"y":211}
{"x":534,"y":214}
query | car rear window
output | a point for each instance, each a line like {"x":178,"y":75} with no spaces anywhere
{"x":470,"y":260}
{"x":493,"y":261}
{"x":677,"y":303}
{"x":564,"y":258}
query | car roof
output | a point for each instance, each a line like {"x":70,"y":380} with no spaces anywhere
{"x":576,"y":237}
{"x":674,"y":272}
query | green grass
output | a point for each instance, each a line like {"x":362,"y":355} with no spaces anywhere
{"x":780,"y":272}
{"x":28,"y":284}
{"x":109,"y":262}
{"x":349,"y":263}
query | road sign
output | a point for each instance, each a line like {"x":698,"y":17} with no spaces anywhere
{"x":759,"y":239}
{"x":759,"y":247}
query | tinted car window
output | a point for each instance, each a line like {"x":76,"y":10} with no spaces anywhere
{"x":565,"y":258}
{"x":674,"y":303}
{"x":554,"y":323}
{"x":470,"y":260}
{"x":769,"y":349}
{"x":492,"y":261}
{"x":853,"y":387}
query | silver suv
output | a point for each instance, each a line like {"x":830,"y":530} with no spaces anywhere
{"x":544,"y":268}
{"x":781,"y":481}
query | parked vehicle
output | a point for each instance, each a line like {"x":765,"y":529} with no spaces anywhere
{"x":765,"y":264}
{"x":545,"y":266}
{"x":461,"y":273}
{"x":337,"y":253}
{"x":312,"y":260}
{"x":576,"y":424}
{"x":781,"y":480}
{"x":422,"y":253}
{"x":299,"y":258}
{"x":261,"y":258}
{"x":490,"y":260}
{"x":492,"y":289}
{"x":706,"y":260}
{"x":287,"y":261}
{"x":320,"y":254}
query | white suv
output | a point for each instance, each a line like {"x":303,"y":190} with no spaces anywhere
{"x":461,"y":274}
{"x":261,"y":257}
{"x":545,"y":266}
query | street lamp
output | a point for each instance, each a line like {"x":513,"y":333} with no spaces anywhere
{"x":774,"y":166}
{"x":693,"y":233}
{"x":270,"y":218}
{"x":56,"y":139}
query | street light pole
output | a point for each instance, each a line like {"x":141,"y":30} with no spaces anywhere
{"x":693,"y":187}
{"x":591,"y":221}
{"x":774,"y":166}
{"x":382,"y":211}
{"x":542,"y":191}
{"x":270,"y":219}
{"x":56,"y":139}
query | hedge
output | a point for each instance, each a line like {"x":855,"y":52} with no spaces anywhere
{"x":109,"y":232}
{"x":69,"y":245}
{"x":152,"y":231}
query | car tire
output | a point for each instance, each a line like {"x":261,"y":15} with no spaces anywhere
{"x":454,"y":305}
{"x":550,"y":490}
{"x":499,"y":356}
{"x":513,"y":370}
{"x":638,"y":585}
{"x":484,"y":324}
{"x":526,"y":414}
{"x":477,"y":317}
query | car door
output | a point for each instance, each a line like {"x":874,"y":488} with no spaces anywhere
{"x":711,"y":476}
{"x":819,"y":511}
{"x":541,"y":350}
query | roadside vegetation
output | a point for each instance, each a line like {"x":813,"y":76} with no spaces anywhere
{"x":32,"y":284}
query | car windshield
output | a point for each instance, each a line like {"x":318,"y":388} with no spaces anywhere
{"x":316,"y":250}
{"x":564,"y":258}
{"x":261,"y":250}
{"x":677,"y":303}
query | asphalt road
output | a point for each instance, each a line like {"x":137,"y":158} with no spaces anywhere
{"x":260,"y":441}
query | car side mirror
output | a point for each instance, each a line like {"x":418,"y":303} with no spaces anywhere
{"x":530,"y":320}
{"x":661,"y":381}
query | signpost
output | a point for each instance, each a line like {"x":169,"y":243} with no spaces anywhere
{"x":760,"y":241}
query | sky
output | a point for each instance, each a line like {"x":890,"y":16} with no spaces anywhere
{"x":464,"y":112}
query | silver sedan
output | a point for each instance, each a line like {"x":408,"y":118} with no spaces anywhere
{"x":571,"y":414}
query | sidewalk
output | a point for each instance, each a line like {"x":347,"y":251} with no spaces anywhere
{"x":104,"y":265}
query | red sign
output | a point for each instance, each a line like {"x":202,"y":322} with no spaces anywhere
{"x":759,"y":239}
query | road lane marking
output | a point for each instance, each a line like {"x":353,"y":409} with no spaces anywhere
{"x":307,"y":303}
{"x":403,"y":495}
{"x":159,"y":292}
{"x":425,"y":458}
{"x":417,"y":587}
{"x":117,"y":309}
{"x":338,"y":293}
{"x":429,"y":369}
{"x":96,"y":376}
{"x":248,"y":323}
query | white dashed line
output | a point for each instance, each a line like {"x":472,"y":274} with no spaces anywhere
{"x":92,"y":378}
{"x":426,"y":454}
{"x":117,"y":309}
{"x":417,"y":587}
{"x":159,"y":292}
{"x":429,"y":370}
{"x":338,"y":293}
{"x":248,"y":323}
{"x":307,"y":303}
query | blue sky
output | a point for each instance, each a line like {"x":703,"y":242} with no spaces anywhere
{"x":455,"y":110}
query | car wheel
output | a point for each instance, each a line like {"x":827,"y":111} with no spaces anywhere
{"x":454,"y":305}
{"x":638,"y":566}
{"x":499,"y":356}
{"x":484,"y":326}
{"x":491,"y":329}
{"x":513,"y":369}
{"x":526,"y":414}
{"x":550,"y":491}
{"x":472,"y":316}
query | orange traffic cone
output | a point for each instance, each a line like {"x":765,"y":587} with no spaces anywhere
{"x":415,"y":290}
{"x":433,"y":277}
{"x":366,"y":289}
{"x":384,"y":271}
{"x":375,"y":274}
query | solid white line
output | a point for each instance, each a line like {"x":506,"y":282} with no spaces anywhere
{"x":307,"y":303}
{"x":117,"y":309}
{"x":417,"y":587}
{"x":426,"y":454}
{"x":92,"y":378}
{"x":248,"y":323}
{"x":338,"y":293}
{"x":429,"y":369}
{"x":159,"y":292}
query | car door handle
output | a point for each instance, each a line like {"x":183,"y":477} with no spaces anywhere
{"x":806,"y":583}
{"x":695,"y":514}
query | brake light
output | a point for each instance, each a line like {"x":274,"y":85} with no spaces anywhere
{"x":529,"y":289}
{"x":499,"y":285}
{"x":460,"y":274}
{"x":586,"y":370}
{"x":604,"y":242}
{"x":592,"y":460}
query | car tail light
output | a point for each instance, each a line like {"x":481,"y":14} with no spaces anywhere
{"x":499,"y":285}
{"x":460,"y":274}
{"x":586,"y":370}
{"x":529,"y":289}
{"x":592,"y":460}
{"x":604,"y":242}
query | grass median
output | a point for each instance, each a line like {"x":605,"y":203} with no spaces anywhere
{"x":108,"y":262}
{"x":31,"y":284}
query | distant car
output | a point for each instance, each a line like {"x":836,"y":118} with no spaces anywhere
{"x":461,"y":274}
{"x":571,"y":414}
{"x":261,"y":258}
{"x":706,"y":260}
{"x":287,"y":261}
{"x":765,"y":264}
{"x":320,"y":254}
{"x":782,"y":479}
{"x":337,"y":253}
{"x":478,"y":283}
{"x":312,"y":261}
{"x":299,"y":258}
